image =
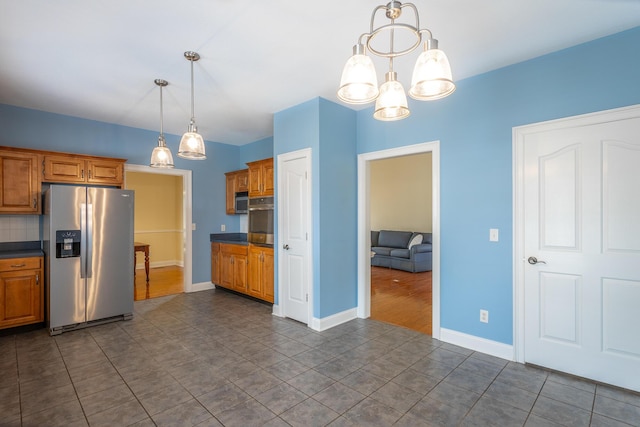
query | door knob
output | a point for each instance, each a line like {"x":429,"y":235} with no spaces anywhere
{"x":285,"y":247}
{"x":533,"y":261}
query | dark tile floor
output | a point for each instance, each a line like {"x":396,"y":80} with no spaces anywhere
{"x":213,"y":358}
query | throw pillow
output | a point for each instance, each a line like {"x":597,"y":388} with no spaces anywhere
{"x":417,"y":239}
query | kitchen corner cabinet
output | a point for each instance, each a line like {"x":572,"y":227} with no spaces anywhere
{"x":77,"y":169}
{"x":261,"y":178}
{"x":237,"y":181}
{"x":19,"y":182}
{"x":21,"y":292}
{"x":260,"y":280}
{"x":233,"y":267}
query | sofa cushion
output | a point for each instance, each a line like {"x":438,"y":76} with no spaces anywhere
{"x":374,"y":238}
{"x":394,"y":239}
{"x":400,"y":253}
{"x":381,"y":251}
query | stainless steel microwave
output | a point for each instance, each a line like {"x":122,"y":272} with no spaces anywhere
{"x":242,"y":202}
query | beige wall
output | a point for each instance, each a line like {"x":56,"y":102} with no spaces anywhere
{"x":401,"y":193}
{"x":158,"y":216}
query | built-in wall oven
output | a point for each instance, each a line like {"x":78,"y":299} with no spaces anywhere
{"x":261,"y":220}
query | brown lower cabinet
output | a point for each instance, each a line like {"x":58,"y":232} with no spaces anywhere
{"x":244,"y":269}
{"x":21,"y":292}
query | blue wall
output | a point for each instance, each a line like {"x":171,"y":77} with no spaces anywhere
{"x":46,"y":131}
{"x":474,"y":126}
{"x":329,"y":130}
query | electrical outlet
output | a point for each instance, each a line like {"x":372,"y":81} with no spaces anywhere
{"x":484,"y":316}
{"x":223,"y":227}
{"x":493,"y":235}
{"x":193,"y":226}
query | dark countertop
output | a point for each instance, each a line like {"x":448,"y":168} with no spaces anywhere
{"x":20,"y":250}
{"x":232,"y":238}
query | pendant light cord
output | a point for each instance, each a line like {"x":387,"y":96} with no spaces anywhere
{"x":161,"y":112}
{"x":192,"y":101}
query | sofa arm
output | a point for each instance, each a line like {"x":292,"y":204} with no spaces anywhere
{"x":422,"y":248}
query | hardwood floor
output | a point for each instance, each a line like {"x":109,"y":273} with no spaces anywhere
{"x":162,"y":281}
{"x":402,"y":298}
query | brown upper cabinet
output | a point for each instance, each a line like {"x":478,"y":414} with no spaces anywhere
{"x":261,"y":178}
{"x":19,"y":182}
{"x":237,"y":181}
{"x":72,"y":168}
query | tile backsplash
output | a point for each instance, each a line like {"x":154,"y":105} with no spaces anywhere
{"x":19,"y":228}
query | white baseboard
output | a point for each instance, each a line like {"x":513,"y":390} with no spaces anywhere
{"x":197,"y":287}
{"x":156,"y":264}
{"x":493,"y":348}
{"x":277,"y":311}
{"x":333,"y":320}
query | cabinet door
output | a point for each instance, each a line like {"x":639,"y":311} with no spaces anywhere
{"x":268,"y":275}
{"x":255,"y":181}
{"x":226,"y":269}
{"x":254,"y":281}
{"x":19,"y":183}
{"x":240,"y":273}
{"x":108,"y":172}
{"x":215,"y":263}
{"x":231,"y":195}
{"x":21,"y":298}
{"x":242,"y":180}
{"x":267,"y":178}
{"x":64,"y":169}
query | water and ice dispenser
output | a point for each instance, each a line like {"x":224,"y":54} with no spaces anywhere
{"x":67,"y":243}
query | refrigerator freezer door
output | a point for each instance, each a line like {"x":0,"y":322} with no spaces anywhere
{"x":109,"y":252}
{"x":65,"y":286}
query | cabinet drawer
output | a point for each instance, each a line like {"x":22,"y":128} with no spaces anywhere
{"x":233,"y":249}
{"x":16,"y":264}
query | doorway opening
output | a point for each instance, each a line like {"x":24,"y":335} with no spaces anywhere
{"x":162,"y":218}
{"x":365,"y":288}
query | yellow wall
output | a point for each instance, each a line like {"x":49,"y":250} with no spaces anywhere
{"x":401,"y":193}
{"x":158,"y":216}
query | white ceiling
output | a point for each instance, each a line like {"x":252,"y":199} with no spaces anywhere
{"x":97,"y":59}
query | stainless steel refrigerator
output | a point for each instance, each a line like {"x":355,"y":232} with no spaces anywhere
{"x":88,"y":244}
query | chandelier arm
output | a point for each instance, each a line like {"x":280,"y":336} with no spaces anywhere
{"x":373,"y":16}
{"x":425,"y":30}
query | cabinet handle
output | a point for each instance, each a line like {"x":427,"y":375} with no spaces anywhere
{"x":89,"y":174}
{"x":37,"y":279}
{"x":35,"y":202}
{"x":82,"y":174}
{"x":18,"y":265}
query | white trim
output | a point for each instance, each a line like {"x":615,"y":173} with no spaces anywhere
{"x":187,"y":203}
{"x":519,"y":135}
{"x":158,"y":264}
{"x":277,"y":311}
{"x":333,"y":320}
{"x":202,"y":286}
{"x":471,"y":342}
{"x":305,"y":153}
{"x":364,"y":236}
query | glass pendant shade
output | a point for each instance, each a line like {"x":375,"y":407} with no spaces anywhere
{"x":359,"y":83}
{"x":392,"y":101}
{"x":431,"y":75}
{"x":192,"y":145}
{"x":161,"y":156}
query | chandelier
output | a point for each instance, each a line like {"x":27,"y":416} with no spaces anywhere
{"x":431,"y":75}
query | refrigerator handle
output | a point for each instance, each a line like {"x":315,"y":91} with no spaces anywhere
{"x":83,"y":240}
{"x":89,"y":239}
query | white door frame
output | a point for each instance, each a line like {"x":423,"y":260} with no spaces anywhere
{"x":364,"y":236}
{"x":304,"y":153}
{"x":519,"y":135}
{"x":187,"y":284}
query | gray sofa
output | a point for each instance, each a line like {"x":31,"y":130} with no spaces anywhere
{"x":394,"y":249}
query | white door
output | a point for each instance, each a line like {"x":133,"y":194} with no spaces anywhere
{"x":581,"y":219}
{"x":293,"y":229}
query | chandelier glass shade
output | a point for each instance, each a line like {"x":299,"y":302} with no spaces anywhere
{"x":432,"y":78}
{"x":161,"y":156}
{"x":191,"y":143}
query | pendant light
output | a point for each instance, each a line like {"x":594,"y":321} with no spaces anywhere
{"x":161,"y":156}
{"x":431,"y":75}
{"x":192,"y":144}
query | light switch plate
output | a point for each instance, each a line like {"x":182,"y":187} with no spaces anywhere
{"x":493,"y":234}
